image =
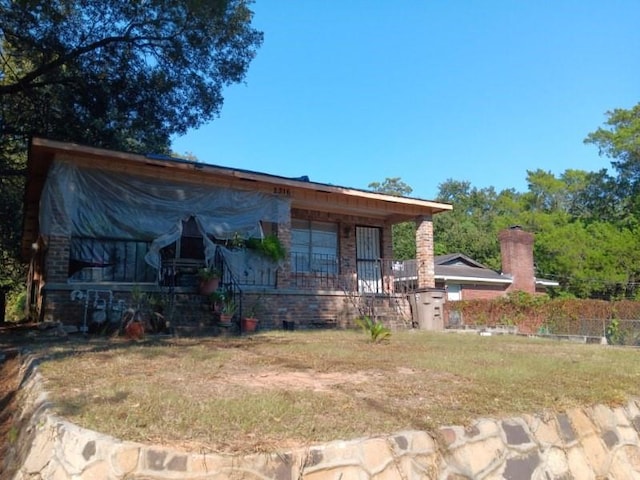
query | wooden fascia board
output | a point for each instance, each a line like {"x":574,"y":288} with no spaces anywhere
{"x":307,"y":195}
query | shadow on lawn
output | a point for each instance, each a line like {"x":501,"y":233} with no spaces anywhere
{"x":45,"y":344}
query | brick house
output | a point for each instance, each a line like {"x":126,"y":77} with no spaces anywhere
{"x":465,"y":279}
{"x":104,"y":226}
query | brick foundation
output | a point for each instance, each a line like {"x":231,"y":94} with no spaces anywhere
{"x":301,"y":310}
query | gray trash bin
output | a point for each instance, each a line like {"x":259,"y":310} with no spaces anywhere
{"x":428,"y":311}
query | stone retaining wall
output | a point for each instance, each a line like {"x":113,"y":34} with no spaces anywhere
{"x":583,"y":443}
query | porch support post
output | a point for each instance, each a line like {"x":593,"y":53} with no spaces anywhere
{"x":424,"y":251}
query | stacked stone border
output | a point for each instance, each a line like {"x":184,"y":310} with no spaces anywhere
{"x":582,"y":443}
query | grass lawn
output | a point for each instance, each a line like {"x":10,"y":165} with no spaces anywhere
{"x":281,"y":389}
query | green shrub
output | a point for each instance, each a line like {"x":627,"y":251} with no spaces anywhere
{"x":376,"y":330}
{"x":16,"y":305}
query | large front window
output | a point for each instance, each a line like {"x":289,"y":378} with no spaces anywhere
{"x":314,"y":247}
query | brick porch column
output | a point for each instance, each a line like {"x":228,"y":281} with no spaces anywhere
{"x":284,"y":234}
{"x":56,"y":263}
{"x":424,"y":251}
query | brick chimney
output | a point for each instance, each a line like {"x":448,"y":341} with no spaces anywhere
{"x":516,"y":249}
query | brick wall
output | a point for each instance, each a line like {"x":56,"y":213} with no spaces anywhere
{"x":325,"y":309}
{"x":482,"y":292}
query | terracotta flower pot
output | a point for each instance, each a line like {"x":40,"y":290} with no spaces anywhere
{"x":249,"y":324}
{"x":207,"y":287}
{"x":225,"y":319}
{"x":134,"y":330}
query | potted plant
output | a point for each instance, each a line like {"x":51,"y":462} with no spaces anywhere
{"x":249,"y":321}
{"x":209,"y":280}
{"x":228,"y":310}
{"x":215,"y":300}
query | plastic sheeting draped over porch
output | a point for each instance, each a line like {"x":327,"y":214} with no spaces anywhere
{"x":98,"y":203}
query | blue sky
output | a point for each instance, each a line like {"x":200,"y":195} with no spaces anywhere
{"x":357,"y":91}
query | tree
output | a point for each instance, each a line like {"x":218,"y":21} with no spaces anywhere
{"x":595,"y":260}
{"x":621,"y":142}
{"x":123,"y":75}
{"x":392,"y":186}
{"x":403,"y":234}
{"x":113,"y":74}
{"x":546,"y":192}
{"x":471,"y":228}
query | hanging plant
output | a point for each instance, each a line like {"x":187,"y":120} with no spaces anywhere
{"x":270,"y":246}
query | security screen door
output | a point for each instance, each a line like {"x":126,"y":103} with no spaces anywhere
{"x":368,"y":259}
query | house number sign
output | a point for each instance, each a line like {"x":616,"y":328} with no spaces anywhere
{"x":282,"y":191}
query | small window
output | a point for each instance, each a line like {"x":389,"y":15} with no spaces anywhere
{"x":454,"y":292}
{"x":314,"y":247}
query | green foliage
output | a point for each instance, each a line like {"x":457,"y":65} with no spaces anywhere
{"x":404,"y":240}
{"x":270,"y":246}
{"x":472,"y":227}
{"x":12,"y":184}
{"x":392,"y":186}
{"x":16,"y":305}
{"x":208,"y":273}
{"x":376,"y":330}
{"x":216,"y":297}
{"x":615,"y":335}
{"x":403,"y":234}
{"x":229,"y":305}
{"x":621,"y":141}
{"x":590,"y":260}
{"x":120,"y":74}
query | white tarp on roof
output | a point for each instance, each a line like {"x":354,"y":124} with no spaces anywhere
{"x":98,"y":203}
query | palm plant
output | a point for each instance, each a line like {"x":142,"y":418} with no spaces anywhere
{"x":376,"y":330}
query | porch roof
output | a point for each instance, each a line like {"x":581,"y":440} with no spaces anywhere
{"x":303,"y":193}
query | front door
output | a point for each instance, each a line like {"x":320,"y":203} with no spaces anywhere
{"x":368,"y":259}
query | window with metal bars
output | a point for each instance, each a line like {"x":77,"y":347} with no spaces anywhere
{"x":109,"y":260}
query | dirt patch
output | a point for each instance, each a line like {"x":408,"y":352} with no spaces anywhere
{"x":317,"y":382}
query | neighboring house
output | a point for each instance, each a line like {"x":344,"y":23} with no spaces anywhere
{"x":102,"y":226}
{"x":465,"y":279}
{"x":458,"y":274}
